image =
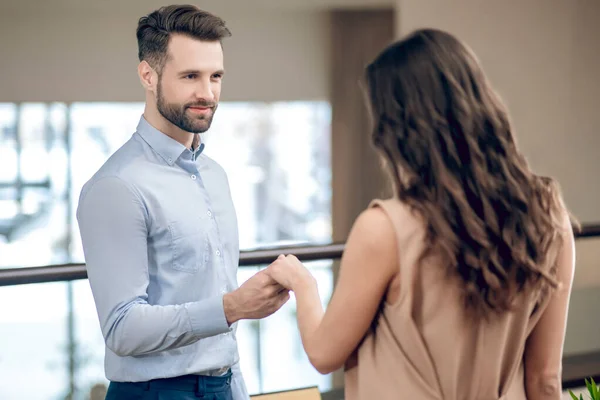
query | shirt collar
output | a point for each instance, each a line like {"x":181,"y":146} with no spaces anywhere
{"x":197,"y":152}
{"x":168,"y":148}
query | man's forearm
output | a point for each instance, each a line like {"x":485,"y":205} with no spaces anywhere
{"x":141,"y":328}
{"x":231,"y":309}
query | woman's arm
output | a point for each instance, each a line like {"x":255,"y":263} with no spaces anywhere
{"x":369,"y":263}
{"x":544,"y":348}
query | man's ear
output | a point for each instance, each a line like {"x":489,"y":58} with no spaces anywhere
{"x":148,"y":76}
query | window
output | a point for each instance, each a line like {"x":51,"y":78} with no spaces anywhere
{"x":277,"y":156}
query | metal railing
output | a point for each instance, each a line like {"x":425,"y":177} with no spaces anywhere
{"x":69,"y":272}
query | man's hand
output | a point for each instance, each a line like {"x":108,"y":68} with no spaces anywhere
{"x":258,"y":297}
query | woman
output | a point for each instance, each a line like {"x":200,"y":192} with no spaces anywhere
{"x":458,"y":286}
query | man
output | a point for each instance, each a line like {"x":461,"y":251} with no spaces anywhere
{"x":159,"y":229}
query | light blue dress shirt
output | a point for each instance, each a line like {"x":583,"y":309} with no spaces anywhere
{"x":161,"y":245}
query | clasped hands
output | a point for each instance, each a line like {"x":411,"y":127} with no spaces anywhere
{"x":266,"y":291}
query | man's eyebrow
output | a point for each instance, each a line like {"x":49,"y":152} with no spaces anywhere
{"x":198,"y":72}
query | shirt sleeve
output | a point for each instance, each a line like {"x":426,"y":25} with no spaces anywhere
{"x":114,"y":231}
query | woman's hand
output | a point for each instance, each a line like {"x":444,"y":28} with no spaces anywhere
{"x":289,"y":272}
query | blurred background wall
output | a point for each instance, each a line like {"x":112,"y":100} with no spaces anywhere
{"x":292,"y":133}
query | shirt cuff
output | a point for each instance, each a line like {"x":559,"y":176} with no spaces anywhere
{"x":207,"y":317}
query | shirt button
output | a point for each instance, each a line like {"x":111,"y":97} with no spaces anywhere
{"x":193,"y":177}
{"x":218,"y":252}
{"x":209,"y":213}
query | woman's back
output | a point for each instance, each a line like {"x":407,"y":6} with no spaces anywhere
{"x":459,"y":288}
{"x":426,"y":344}
{"x":478,"y":237}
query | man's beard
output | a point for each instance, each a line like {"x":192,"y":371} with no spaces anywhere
{"x":176,"y":113}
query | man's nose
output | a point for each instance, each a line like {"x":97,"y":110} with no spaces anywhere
{"x":204,"y":91}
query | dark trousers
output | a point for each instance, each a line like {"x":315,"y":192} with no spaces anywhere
{"x":186,"y":387}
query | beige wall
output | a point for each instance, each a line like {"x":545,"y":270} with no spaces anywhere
{"x":543,"y":56}
{"x":75,"y":55}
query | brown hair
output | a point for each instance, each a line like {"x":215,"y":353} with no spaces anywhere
{"x":448,"y":142}
{"x":155,"y":29}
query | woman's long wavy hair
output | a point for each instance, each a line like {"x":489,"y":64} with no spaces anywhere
{"x":448,"y":142}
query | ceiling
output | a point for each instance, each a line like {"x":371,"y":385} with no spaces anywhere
{"x":37,"y":6}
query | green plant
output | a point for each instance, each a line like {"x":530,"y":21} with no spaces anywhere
{"x":592,"y":388}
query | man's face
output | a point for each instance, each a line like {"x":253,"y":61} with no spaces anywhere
{"x":189,"y":86}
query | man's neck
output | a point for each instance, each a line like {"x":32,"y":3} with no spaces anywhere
{"x":160,"y":123}
{"x":195,"y":142}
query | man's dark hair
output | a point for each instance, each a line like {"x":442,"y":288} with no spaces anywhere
{"x":155,"y":29}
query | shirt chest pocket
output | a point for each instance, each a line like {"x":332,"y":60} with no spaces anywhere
{"x":189,"y":245}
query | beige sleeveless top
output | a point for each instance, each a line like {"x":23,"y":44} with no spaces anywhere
{"x":424,"y":346}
